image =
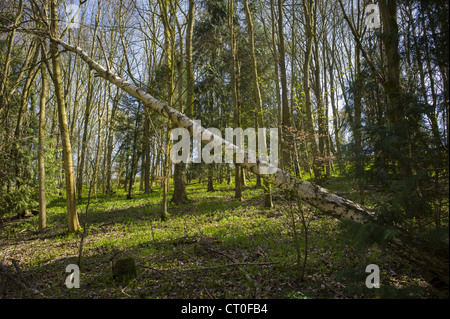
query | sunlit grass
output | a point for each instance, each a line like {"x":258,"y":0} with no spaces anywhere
{"x":188,"y":255}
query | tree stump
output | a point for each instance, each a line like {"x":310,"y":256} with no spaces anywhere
{"x":124,"y":269}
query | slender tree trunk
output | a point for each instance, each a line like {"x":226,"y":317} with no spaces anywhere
{"x":166,"y":7}
{"x":277,"y":72}
{"x":5,"y":74}
{"x":179,"y":174}
{"x":236,"y":115}
{"x":97,"y":157}
{"x":308,"y":7}
{"x":72,"y":214}
{"x":431,"y":116}
{"x":147,"y":162}
{"x":189,"y":63}
{"x":285,"y":118}
{"x":320,"y":111}
{"x":109,"y":185}
{"x":81,"y":160}
{"x":105,"y":148}
{"x":32,"y":73}
{"x":357,"y":130}
{"x":333,"y":97}
{"x":180,"y":195}
{"x":17,"y":156}
{"x":257,"y":97}
{"x":87,"y":113}
{"x":165,"y":173}
{"x":134,"y":157}
{"x":210,"y":178}
{"x":41,"y":152}
{"x":156,"y":164}
{"x":328,"y":146}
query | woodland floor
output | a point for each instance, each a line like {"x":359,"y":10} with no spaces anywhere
{"x":212,"y":247}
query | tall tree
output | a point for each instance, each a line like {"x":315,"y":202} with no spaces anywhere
{"x":308,"y":9}
{"x":257,"y":95}
{"x":167,"y":8}
{"x":88,"y":109}
{"x":236,"y":113}
{"x":285,"y":114}
{"x":72,"y":214}
{"x":41,"y":152}
{"x":179,"y":175}
{"x":7,"y":68}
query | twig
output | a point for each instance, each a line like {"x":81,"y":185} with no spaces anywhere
{"x":182,"y":251}
{"x":107,"y":224}
{"x":212,"y":297}
{"x":16,"y":265}
{"x":59,"y":258}
{"x":238,"y":264}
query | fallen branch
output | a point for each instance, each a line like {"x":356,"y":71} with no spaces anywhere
{"x":59,"y":259}
{"x":237,"y":264}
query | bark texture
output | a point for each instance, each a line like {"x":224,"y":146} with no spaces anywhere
{"x":72,"y":214}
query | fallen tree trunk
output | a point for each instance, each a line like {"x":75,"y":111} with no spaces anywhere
{"x":435,"y":263}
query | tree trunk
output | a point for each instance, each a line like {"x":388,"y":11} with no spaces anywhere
{"x":72,"y":214}
{"x":41,"y":151}
{"x":97,"y":157}
{"x":320,"y":111}
{"x":285,"y":118}
{"x":276,"y":64}
{"x":166,"y":8}
{"x":165,"y":173}
{"x":189,"y":63}
{"x":336,"y":123}
{"x":210,"y":178}
{"x":390,"y":39}
{"x":308,"y":7}
{"x":258,"y":98}
{"x":179,"y":194}
{"x":328,"y":146}
{"x":109,"y":187}
{"x":147,"y":162}
{"x":26,"y":93}
{"x":236,"y":115}
{"x":87,"y":113}
{"x":5,"y":74}
{"x":179,"y":174}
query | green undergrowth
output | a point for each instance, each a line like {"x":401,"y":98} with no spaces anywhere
{"x":213,"y":246}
